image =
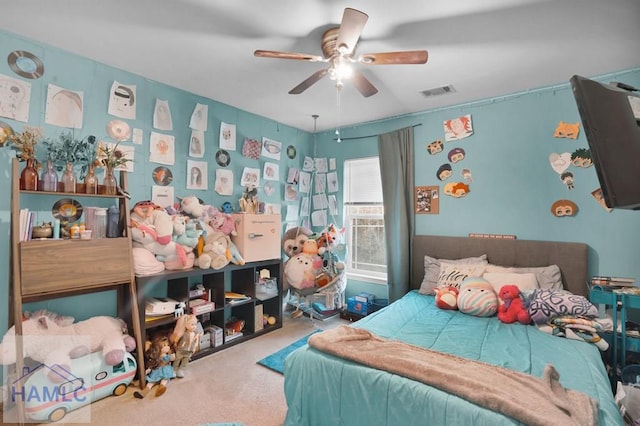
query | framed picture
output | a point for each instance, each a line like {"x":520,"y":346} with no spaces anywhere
{"x":427,"y":199}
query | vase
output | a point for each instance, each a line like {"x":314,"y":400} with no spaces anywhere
{"x":29,"y":176}
{"x":109,"y":181}
{"x":91,"y":181}
{"x":69,"y":179}
{"x":49,"y":178}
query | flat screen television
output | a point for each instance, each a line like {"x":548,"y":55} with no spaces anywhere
{"x":611,"y":120}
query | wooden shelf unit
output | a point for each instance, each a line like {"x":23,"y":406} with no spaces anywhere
{"x":51,"y":268}
{"x":235,"y":278}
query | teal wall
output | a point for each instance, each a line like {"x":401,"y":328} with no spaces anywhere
{"x":94,"y":79}
{"x":512,"y":190}
{"x":513,"y":183}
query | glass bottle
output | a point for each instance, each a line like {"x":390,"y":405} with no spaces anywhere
{"x":49,"y":178}
{"x":69,"y":179}
{"x":29,"y":176}
{"x":109,"y":181}
{"x":91,"y":181}
{"x":100,"y":225}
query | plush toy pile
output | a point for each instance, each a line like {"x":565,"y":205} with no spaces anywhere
{"x":183,"y":236}
{"x":54,"y":340}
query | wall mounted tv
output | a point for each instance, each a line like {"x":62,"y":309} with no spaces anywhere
{"x":611,"y":120}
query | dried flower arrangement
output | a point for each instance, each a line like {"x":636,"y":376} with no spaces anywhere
{"x":25,"y":142}
{"x":68,"y":149}
{"x":110,"y":156}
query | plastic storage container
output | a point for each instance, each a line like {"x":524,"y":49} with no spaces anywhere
{"x":113,"y":222}
{"x":100,"y":223}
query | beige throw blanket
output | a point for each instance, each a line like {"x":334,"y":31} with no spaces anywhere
{"x":526,"y":398}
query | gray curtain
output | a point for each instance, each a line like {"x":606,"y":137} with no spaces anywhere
{"x":395,"y":151}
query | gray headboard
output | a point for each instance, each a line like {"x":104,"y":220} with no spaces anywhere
{"x":570,"y":257}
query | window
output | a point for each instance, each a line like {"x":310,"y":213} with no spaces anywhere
{"x":364,"y":220}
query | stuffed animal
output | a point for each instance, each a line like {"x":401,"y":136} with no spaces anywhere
{"x":54,"y":341}
{"x":223,"y":222}
{"x":292,"y":242}
{"x":201,"y":212}
{"x":447,"y":297}
{"x":512,"y":309}
{"x":154,"y":216}
{"x":144,"y":236}
{"x":185,"y":231}
{"x":477,"y":297}
{"x":216,"y":253}
{"x":301,"y":270}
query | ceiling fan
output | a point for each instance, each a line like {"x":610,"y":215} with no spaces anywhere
{"x":338,"y":49}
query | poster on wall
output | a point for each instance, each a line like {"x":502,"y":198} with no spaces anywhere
{"x":197,"y":175}
{"x":14,"y":98}
{"x":227,"y":136}
{"x":122,"y":101}
{"x":162,"y":116}
{"x":196,"y":146}
{"x":458,"y":128}
{"x":64,"y":107}
{"x":162,"y":149}
{"x":199,"y":117}
{"x":427,"y":199}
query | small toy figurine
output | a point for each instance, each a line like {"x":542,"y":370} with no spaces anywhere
{"x":159,"y":370}
{"x":185,"y":340}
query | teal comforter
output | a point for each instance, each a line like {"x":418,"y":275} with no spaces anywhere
{"x":324,"y":390}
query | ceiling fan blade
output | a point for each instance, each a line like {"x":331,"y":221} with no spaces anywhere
{"x":313,"y":78}
{"x":363,"y":85}
{"x":391,"y":58}
{"x":353,"y":22}
{"x":287,"y":55}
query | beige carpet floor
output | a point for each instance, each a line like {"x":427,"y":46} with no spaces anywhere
{"x":227,"y":386}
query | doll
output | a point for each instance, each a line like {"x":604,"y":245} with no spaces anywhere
{"x":185,"y":340}
{"x":159,"y":370}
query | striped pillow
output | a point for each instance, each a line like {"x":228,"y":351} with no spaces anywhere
{"x":477,"y":297}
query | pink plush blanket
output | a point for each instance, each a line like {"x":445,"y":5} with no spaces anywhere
{"x":528,"y":399}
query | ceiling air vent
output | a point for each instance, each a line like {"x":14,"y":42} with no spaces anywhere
{"x":437,"y":91}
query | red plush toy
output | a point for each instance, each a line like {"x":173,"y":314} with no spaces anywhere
{"x":512,"y":309}
{"x":447,"y":297}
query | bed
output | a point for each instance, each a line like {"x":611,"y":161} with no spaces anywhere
{"x":323,"y":389}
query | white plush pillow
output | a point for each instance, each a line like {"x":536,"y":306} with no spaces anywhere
{"x":452,"y":274}
{"x":547,"y":276}
{"x":432,"y":270}
{"x":526,"y":281}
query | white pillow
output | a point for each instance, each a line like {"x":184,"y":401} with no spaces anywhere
{"x":452,"y":274}
{"x":526,"y":281}
{"x":432,"y":270}
{"x":547,"y":276}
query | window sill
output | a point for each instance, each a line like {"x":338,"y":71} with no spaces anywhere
{"x":367,"y":278}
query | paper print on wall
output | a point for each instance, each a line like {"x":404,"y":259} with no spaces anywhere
{"x":136,"y":137}
{"x":227,"y":138}
{"x":64,"y":107}
{"x":581,"y":157}
{"x":455,"y":155}
{"x":560,"y":162}
{"x":319,"y":201}
{"x":269,"y":188}
{"x":250,"y":177}
{"x":271,"y":171}
{"x":251,"y":148}
{"x":162,"y":116}
{"x":304,"y":206}
{"x":293,"y":176}
{"x":444,"y":171}
{"x":305,"y":182}
{"x":597,"y":194}
{"x":271,"y":208}
{"x":567,"y":179}
{"x":458,"y":128}
{"x":332,"y":182}
{"x":332,"y":163}
{"x":292,"y":213}
{"x":567,"y":130}
{"x":197,"y":174}
{"x":562,"y":208}
{"x":435,"y":147}
{"x":319,"y":218}
{"x":333,"y":205}
{"x":199,"y":117}
{"x":427,"y":199}
{"x":224,"y":182}
{"x":290,"y":193}
{"x":321,"y":165}
{"x":271,"y":149}
{"x":122,"y":101}
{"x":466,"y":175}
{"x":15,"y":98}
{"x":196,"y":144}
{"x":320,"y":183}
{"x":162,"y":195}
{"x":162,"y":149}
{"x":456,"y":189}
{"x":307,"y":164}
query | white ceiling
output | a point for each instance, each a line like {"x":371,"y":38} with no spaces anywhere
{"x":484,"y":48}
